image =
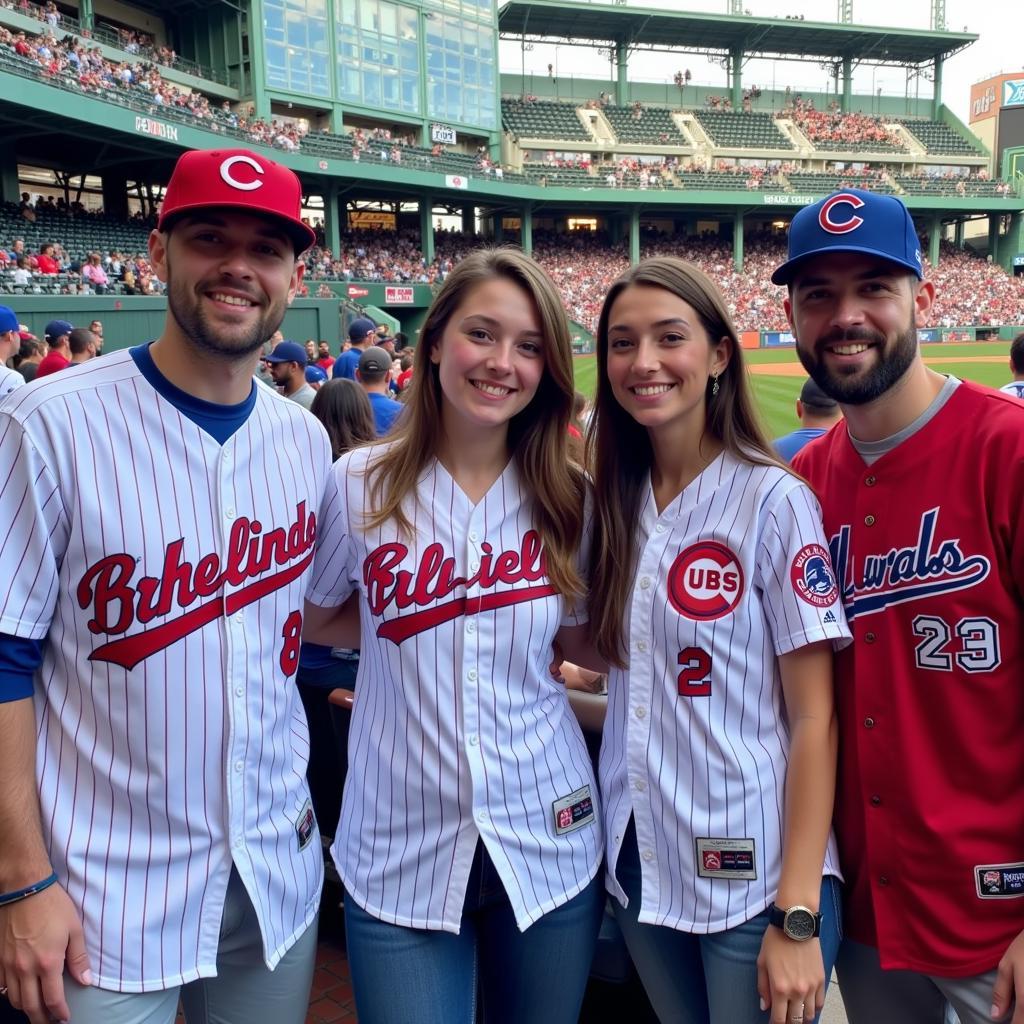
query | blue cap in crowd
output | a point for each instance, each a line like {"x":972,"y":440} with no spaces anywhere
{"x":8,"y":321}
{"x":853,"y":221}
{"x":55,"y":328}
{"x":315,"y":375}
{"x":360,"y":328}
{"x":287,"y":352}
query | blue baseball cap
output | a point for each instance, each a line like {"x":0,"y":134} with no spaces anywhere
{"x":853,"y":220}
{"x":55,"y":328}
{"x":360,"y":328}
{"x":287,"y":352}
{"x":315,"y":375}
{"x":8,"y":320}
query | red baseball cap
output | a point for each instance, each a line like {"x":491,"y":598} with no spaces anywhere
{"x":238,"y":178}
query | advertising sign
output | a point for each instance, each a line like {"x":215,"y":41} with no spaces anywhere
{"x":442,"y":133}
{"x":394,"y":296}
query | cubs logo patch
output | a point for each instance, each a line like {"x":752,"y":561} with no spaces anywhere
{"x":705,"y":581}
{"x":812,"y":577}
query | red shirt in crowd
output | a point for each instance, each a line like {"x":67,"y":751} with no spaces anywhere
{"x":47,"y":264}
{"x":326,"y":364}
{"x":51,"y":363}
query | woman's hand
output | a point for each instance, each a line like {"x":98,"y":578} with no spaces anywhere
{"x":790,"y":978}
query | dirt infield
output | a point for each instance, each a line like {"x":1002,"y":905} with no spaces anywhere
{"x":796,"y":370}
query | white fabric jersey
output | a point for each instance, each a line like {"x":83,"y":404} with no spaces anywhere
{"x":9,"y":380}
{"x":167,"y":573}
{"x":1015,"y":388}
{"x":733,"y":573}
{"x":459,"y":733}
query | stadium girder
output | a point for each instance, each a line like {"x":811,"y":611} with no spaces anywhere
{"x":719,"y":34}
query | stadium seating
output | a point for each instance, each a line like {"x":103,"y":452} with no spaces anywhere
{"x":730,"y":129}
{"x":714,"y":180}
{"x":820,"y":183}
{"x":644,"y":125}
{"x":938,"y":138}
{"x":563,"y":177}
{"x":542,"y":119}
{"x":973,"y":186}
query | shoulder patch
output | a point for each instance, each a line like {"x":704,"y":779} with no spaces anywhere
{"x":812,"y":577}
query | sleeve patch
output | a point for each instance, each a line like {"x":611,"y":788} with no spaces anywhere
{"x":812,"y":577}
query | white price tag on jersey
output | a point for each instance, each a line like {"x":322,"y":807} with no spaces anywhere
{"x":573,"y":811}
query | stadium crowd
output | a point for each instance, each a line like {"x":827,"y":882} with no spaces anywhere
{"x":834,"y":129}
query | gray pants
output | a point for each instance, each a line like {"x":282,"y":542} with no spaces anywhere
{"x":244,"y":991}
{"x":871,"y":995}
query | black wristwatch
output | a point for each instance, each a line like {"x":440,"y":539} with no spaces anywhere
{"x":797,"y":923}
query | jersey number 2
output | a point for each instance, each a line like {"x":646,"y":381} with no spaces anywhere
{"x":695,"y":679}
{"x":292,"y":634}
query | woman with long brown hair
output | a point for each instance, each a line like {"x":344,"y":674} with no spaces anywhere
{"x":713,"y":599}
{"x":469,"y":843}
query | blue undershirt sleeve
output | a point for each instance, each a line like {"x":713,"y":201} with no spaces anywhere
{"x":19,"y":659}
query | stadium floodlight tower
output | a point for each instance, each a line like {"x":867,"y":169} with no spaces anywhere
{"x":938,"y":15}
{"x":845,"y":12}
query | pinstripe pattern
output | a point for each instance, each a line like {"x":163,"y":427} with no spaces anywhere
{"x":458,"y":731}
{"x":155,"y":776}
{"x":9,"y":380}
{"x":711,"y":766}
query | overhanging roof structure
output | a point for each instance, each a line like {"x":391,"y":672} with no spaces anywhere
{"x":720,"y":33}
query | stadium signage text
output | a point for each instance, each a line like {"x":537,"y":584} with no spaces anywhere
{"x":355,"y":292}
{"x":1013,"y":92}
{"x":442,"y":133}
{"x":983,"y":104}
{"x":147,"y":126}
{"x":784,"y":200}
{"x":398,"y":296}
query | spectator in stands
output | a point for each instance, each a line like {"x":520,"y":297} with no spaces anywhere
{"x":817,"y":413}
{"x":1016,"y":386}
{"x":27,"y":359}
{"x":82,"y":344}
{"x":47,"y":263}
{"x":373,"y":373}
{"x":22,"y":275}
{"x":310,"y":351}
{"x":94,"y":275}
{"x":405,"y":375}
{"x":361,"y":334}
{"x":316,"y":377}
{"x":57,"y":336}
{"x":96,"y":326}
{"x":287,"y":363}
{"x":324,"y":358}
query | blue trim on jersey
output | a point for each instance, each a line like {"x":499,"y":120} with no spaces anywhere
{"x":19,"y":659}
{"x":219,"y":421}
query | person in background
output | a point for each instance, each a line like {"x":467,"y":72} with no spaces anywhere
{"x":1016,"y":386}
{"x":287,"y":364}
{"x":361,"y":334}
{"x":817,"y":413}
{"x":28,"y":357}
{"x":315,"y":377}
{"x":58,"y":335}
{"x":10,"y":342}
{"x":374,"y":376}
{"x":82,"y":344}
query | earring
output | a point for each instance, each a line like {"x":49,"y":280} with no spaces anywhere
{"x":714,"y":385}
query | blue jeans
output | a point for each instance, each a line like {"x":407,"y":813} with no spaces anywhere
{"x":707,"y":979}
{"x":412,"y":976}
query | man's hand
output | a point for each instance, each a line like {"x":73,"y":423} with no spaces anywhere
{"x":38,"y":936}
{"x":1009,"y":984}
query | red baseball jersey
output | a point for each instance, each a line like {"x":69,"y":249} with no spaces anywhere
{"x":929,"y":552}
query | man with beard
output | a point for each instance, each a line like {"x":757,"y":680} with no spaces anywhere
{"x":158,"y":838}
{"x":922,"y":490}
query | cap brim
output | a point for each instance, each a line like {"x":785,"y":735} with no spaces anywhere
{"x":784,"y":274}
{"x":302,"y":236}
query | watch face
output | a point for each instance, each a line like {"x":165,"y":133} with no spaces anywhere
{"x":799,"y":924}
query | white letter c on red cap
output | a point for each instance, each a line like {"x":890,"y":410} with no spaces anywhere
{"x":244,"y":186}
{"x":840,"y":227}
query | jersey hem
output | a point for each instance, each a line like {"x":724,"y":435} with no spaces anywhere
{"x":22,"y":629}
{"x":523,"y":921}
{"x":110,"y":984}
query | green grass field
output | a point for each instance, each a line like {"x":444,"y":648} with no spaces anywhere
{"x":776,"y":396}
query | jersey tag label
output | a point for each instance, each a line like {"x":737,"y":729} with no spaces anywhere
{"x":999,"y":881}
{"x":306,"y":825}
{"x":573,"y":811}
{"x":726,"y":858}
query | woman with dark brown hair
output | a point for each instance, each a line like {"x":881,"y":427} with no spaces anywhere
{"x":469,"y":842}
{"x":713,"y":599}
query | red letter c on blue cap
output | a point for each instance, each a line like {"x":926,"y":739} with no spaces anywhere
{"x":837,"y":227}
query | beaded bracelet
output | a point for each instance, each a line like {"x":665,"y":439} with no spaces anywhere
{"x":29,"y":890}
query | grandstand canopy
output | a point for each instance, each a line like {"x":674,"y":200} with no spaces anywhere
{"x":767,"y":37}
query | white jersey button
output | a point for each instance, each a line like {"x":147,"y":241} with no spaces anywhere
{"x":641,"y":712}
{"x":230,"y":513}
{"x":640,"y":785}
{"x":239,"y":766}
{"x":474,"y":536}
{"x":641,"y":645}
{"x":659,"y":528}
{"x":648,"y":855}
{"x":645,"y":582}
{"x":474,"y":740}
{"x":470,"y":626}
{"x":239,"y":692}
{"x":471,"y":675}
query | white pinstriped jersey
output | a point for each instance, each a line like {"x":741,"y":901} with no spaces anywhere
{"x":459,"y":733}
{"x":167,"y":573}
{"x":9,"y":380}
{"x":734,"y":572}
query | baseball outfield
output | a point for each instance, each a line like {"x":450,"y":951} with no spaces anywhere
{"x":777,"y":375}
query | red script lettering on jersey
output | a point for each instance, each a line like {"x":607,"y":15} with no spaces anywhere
{"x":435,"y":579}
{"x":118,"y":604}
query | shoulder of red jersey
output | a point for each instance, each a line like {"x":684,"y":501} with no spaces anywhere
{"x":989,"y":419}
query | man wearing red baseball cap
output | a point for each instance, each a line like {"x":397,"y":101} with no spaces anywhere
{"x":188,"y":867}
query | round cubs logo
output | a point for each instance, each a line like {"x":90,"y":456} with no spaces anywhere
{"x":705,"y":581}
{"x":812,"y":577}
